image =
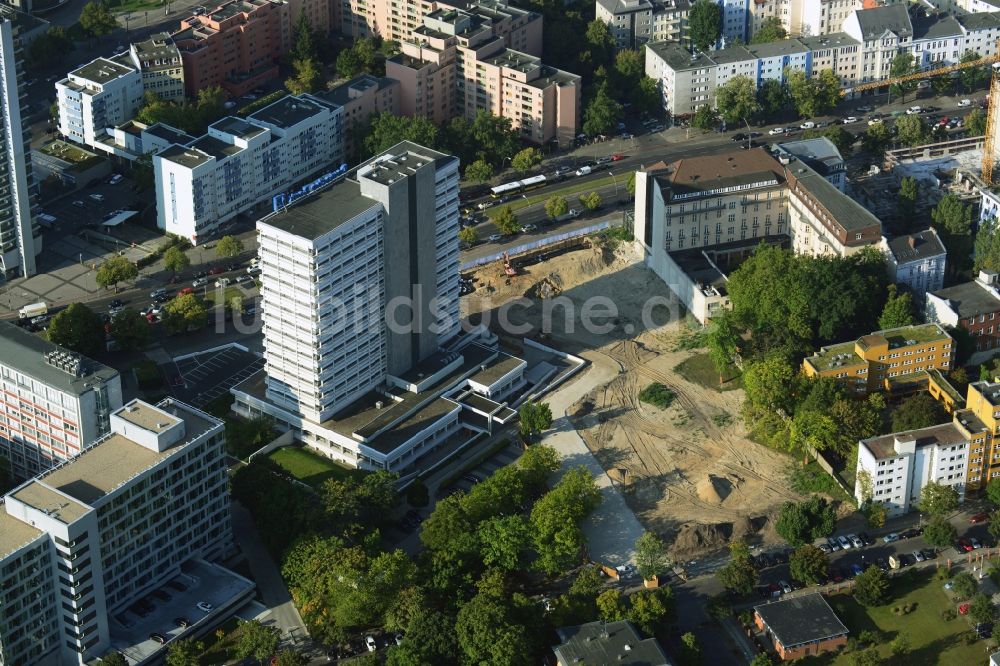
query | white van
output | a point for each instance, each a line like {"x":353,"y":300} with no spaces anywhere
{"x":33,"y":310}
{"x":583,"y":171}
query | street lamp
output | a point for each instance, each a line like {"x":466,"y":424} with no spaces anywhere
{"x":615,"y":180}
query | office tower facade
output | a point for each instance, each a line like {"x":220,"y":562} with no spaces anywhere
{"x":54,"y":402}
{"x":96,"y":97}
{"x":80,"y":543}
{"x":20,"y":237}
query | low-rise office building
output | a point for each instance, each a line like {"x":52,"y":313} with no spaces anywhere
{"x":973,"y":306}
{"x":54,"y":402}
{"x":917,"y":261}
{"x":892,"y":360}
{"x":80,"y":543}
{"x":240,"y":164}
{"x":101,"y":94}
{"x":801,"y":626}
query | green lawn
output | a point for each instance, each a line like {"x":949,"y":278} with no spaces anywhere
{"x":571,"y":192}
{"x":700,"y":369}
{"x":932,"y":639}
{"x":309,"y":467}
{"x":220,"y":651}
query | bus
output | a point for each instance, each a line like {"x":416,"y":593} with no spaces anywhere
{"x":518,"y":186}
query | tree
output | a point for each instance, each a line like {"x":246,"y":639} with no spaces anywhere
{"x":981,"y":609}
{"x":526,"y":159}
{"x":175,"y":260}
{"x":737,"y":99}
{"x":610,"y":607}
{"x":975,"y":122}
{"x":186,"y":652}
{"x":116,"y":659}
{"x":761,"y":659}
{"x":937,"y":500}
{"x":288,"y":657}
{"x":591,"y":201}
{"x":600,"y":43}
{"x":722,"y":340}
{"x":911,"y":130}
{"x":739,"y":575}
{"x":770,"y":30}
{"x":182,"y":313}
{"x":228,"y":246}
{"x":305,"y":46}
{"x":533,"y":417}
{"x":827,"y":85}
{"x":963,"y":585}
{"x":867,"y":657}
{"x":993,"y":491}
{"x":536,"y":464}
{"x":812,"y":431}
{"x":386,"y":130}
{"x":808,"y":564}
{"x":130,"y":329}
{"x":308,"y":77}
{"x":705,"y":118}
{"x":690,"y":652}
{"x":503,"y":541}
{"x":50,"y":47}
{"x":77,"y":328}
{"x":115,"y":270}
{"x":704,"y":24}
{"x":973,"y":77}
{"x":906,"y":202}
{"x":256,"y":640}
{"x":953,"y":220}
{"x":875,"y":514}
{"x":556,"y":206}
{"x":468,"y":236}
{"x":489,"y":633}
{"x":506,"y":221}
{"x":987,"y":246}
{"x":898,"y":310}
{"x":602,"y":113}
{"x":805,"y":93}
{"x":903,"y":64}
{"x":349,"y":64}
{"x":650,"y":555}
{"x":939,"y":532}
{"x":479,"y":171}
{"x":871,"y":587}
{"x":649,"y":608}
{"x":917,"y":411}
{"x":773,"y":98}
{"x":900,"y":645}
{"x":802,"y":522}
{"x":96,"y":19}
{"x":556,"y":517}
{"x":877,"y":138}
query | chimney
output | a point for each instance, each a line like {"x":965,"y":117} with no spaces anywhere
{"x":912,"y":240}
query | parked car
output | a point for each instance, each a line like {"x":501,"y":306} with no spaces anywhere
{"x":807,"y":125}
{"x":865,"y":539}
{"x":158,"y":293}
{"x":785,"y":587}
{"x":979,"y":518}
{"x":115,"y":303}
{"x":913,"y":110}
{"x":891,"y":537}
{"x":844,"y":542}
{"x":185,"y":291}
{"x":975,"y":543}
{"x":216,"y":270}
{"x":79,"y":204}
{"x":836,"y":574}
{"x":204,"y":606}
{"x":850,"y":119}
{"x":223,"y":282}
{"x":964,"y":103}
{"x":964,"y":546}
{"x":182,"y":622}
{"x":115,"y":179}
{"x":865,"y":109}
{"x":370,"y":643}
{"x":825,"y":547}
{"x":200,"y":282}
{"x":855,"y":541}
{"x":495,"y":238}
{"x":776,"y":130}
{"x":856,"y":570}
{"x":928,"y":553}
{"x":918,"y":556}
{"x":834,"y":544}
{"x":96,"y":197}
{"x":882,"y":564}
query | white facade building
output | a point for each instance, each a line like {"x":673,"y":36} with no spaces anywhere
{"x":240,"y":163}
{"x":96,"y":97}
{"x":901,"y":464}
{"x":85,"y":540}
{"x":54,"y":402}
{"x":916,"y":260}
{"x":20,"y":237}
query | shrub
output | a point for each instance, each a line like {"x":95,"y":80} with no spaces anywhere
{"x":948,"y":614}
{"x":658,"y":395}
{"x":868,"y":637}
{"x":147,"y":374}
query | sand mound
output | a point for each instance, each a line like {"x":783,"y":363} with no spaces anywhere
{"x":548,"y":287}
{"x":707,"y":491}
{"x":696,"y":537}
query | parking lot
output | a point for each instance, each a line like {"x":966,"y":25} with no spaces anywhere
{"x":202,"y":378}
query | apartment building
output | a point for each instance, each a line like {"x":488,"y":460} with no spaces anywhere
{"x":981,"y":421}
{"x":159,"y":61}
{"x":836,"y":51}
{"x":20,"y":236}
{"x":973,"y":306}
{"x":361,"y":98}
{"x":236,"y":46}
{"x":346,"y":370}
{"x":917,"y":261}
{"x":99,"y":95}
{"x":458,"y":64}
{"x":83,"y":541}
{"x":55,"y":402}
{"x":132,"y":140}
{"x":240,"y":164}
{"x":893,"y":360}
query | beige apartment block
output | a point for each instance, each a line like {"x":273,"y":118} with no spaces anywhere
{"x":361,"y":98}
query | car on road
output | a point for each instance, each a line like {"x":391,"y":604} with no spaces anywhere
{"x":584,"y":170}
{"x":79,"y":204}
{"x":204,"y":606}
{"x":115,"y":303}
{"x":495,"y":238}
{"x":115,"y":179}
{"x":627,"y":136}
{"x":563,"y":170}
{"x":913,"y":110}
{"x":979,"y":518}
{"x":891,"y":537}
{"x":807,"y":125}
{"x":216,"y":270}
{"x":964,"y":103}
{"x":617,"y":157}
{"x":656,"y":128}
{"x":185,"y":291}
{"x":785,"y":587}
{"x":911,"y":533}
{"x":776,"y":130}
{"x":850,"y":119}
{"x":471,"y":478}
{"x":529,"y":228}
{"x":874,"y":121}
{"x":158,"y":293}
{"x":370,"y":643}
{"x":199,"y":282}
{"x":96,"y":197}
{"x":604,"y":160}
{"x":844,"y":542}
{"x":739,"y":137}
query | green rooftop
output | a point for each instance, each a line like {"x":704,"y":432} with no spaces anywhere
{"x":842,"y":353}
{"x":913,"y":335}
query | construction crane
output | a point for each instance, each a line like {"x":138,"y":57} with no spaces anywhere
{"x":989,"y":158}
{"x":917,"y":76}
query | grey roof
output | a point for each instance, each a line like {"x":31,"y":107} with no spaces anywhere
{"x":321,"y":212}
{"x":913,"y":247}
{"x":780,"y":48}
{"x":168,"y":133}
{"x":676,"y":56}
{"x":893,"y":18}
{"x":237,"y":127}
{"x":969,"y":299}
{"x":845,"y":211}
{"x":734,"y":53}
{"x":625,"y":7}
{"x":936,"y":27}
{"x":980,"y":20}
{"x":214,"y":147}
{"x":819,"y":152}
{"x":187,"y":156}
{"x":287,"y":111}
{"x":101,"y":71}
{"x":608,"y":643}
{"x":798,"y":620}
{"x":829,"y":41}
{"x":159,"y":47}
{"x":400,"y":161}
{"x":26,"y":352}
{"x":943,"y":434}
{"x":342,"y":94}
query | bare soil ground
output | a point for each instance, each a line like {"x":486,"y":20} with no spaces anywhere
{"x":690,"y":472}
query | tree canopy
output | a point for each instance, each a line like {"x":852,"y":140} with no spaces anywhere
{"x":114,"y":270}
{"x":228,"y":247}
{"x":771,"y":30}
{"x":737,"y":99}
{"x":77,"y":328}
{"x":800,"y":523}
{"x":898,"y":310}
{"x":96,"y":19}
{"x":871,"y":586}
{"x":704,"y":24}
{"x":917,"y":411}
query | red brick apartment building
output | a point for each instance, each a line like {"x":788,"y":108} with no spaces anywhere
{"x":801,"y":626}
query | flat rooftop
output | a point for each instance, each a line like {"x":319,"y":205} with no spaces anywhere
{"x":945,"y":434}
{"x":188,"y":156}
{"x":287,"y":112}
{"x":216,"y":148}
{"x":14,"y":533}
{"x":841,"y":353}
{"x":168,"y":133}
{"x":401,"y":161}
{"x":913,"y":335}
{"x":101,"y":71}
{"x":27,"y":353}
{"x":798,"y":620}
{"x":989,"y":390}
{"x":43,"y":498}
{"x":146,"y":416}
{"x":969,"y":299}
{"x":496,"y":369}
{"x":237,"y":127}
{"x":321,"y":212}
